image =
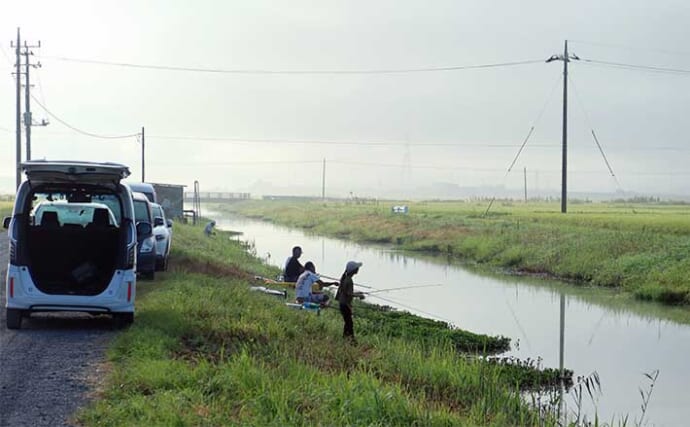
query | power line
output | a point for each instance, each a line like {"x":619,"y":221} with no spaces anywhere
{"x":594,"y":135}
{"x":93,"y":135}
{"x":293,"y":72}
{"x":231,"y":140}
{"x":637,"y":67}
{"x":633,"y":48}
{"x":393,"y":165}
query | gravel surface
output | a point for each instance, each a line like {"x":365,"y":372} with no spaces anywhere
{"x":45,"y":366}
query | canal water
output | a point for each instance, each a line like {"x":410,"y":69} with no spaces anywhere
{"x":619,"y":339}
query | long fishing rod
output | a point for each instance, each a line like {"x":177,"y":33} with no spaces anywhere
{"x":408,"y":307}
{"x":400,"y":288}
{"x":356,"y":284}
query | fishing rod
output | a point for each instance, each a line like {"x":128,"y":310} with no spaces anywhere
{"x":400,"y":288}
{"x":414,"y":309}
{"x":356,"y":284}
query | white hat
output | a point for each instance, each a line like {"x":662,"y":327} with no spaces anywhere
{"x":352,"y":266}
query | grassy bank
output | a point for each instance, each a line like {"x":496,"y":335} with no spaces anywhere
{"x":205,"y":350}
{"x":641,"y":249}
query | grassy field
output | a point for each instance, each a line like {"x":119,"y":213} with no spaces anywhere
{"x":205,"y":350}
{"x":641,"y":249}
{"x":5,"y":208}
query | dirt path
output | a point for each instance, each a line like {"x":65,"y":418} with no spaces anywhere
{"x":45,"y":365}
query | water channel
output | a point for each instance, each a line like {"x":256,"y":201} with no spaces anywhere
{"x":616,"y":337}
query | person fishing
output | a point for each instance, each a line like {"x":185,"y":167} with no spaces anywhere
{"x":345,"y":295}
{"x":293,"y":268}
{"x":304,"y":289}
{"x":208,"y":230}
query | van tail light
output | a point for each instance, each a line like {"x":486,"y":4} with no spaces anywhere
{"x":129,"y":291}
{"x":11,"y":291}
{"x":131,"y":253}
{"x":13,"y":251}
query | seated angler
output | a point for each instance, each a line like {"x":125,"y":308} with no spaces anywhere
{"x":305,"y":291}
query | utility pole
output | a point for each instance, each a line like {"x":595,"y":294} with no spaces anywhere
{"x":143,"y":154}
{"x":564,"y":168}
{"x":525,"y":179}
{"x":323,"y":181}
{"x":28,"y":121}
{"x":18,"y":170}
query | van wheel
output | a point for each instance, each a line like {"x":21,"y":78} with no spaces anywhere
{"x":14,"y":318}
{"x":122,"y":320}
{"x":149,"y":275}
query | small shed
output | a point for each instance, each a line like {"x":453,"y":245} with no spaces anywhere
{"x":171,"y":198}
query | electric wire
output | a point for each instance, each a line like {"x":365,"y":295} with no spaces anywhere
{"x":524,"y":142}
{"x":9,"y":62}
{"x":534,"y":123}
{"x":248,"y":141}
{"x":237,"y":140}
{"x":93,"y":135}
{"x":293,"y":72}
{"x":459,"y":169}
{"x":631,"y":48}
{"x":589,"y":123}
{"x":649,"y":68}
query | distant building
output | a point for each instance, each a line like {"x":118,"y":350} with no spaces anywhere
{"x":171,"y":198}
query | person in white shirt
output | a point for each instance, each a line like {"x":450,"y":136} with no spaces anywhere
{"x":304,"y":289}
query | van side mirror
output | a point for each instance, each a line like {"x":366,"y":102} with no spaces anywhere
{"x":6,"y":222}
{"x":170,"y":223}
{"x":144,"y":228}
{"x":158,"y":221}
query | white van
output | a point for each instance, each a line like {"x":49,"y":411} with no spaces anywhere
{"x":80,"y":254}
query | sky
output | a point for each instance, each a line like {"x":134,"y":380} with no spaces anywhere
{"x":405,"y":134}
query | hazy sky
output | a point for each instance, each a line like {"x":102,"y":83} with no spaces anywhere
{"x":461,"y":127}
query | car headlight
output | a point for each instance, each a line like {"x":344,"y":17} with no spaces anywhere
{"x":147,"y":245}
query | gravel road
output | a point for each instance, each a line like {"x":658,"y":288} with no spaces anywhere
{"x":45,"y":366}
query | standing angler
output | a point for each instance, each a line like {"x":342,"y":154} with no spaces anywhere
{"x":345,"y":295}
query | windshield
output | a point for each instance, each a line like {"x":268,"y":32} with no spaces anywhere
{"x":157,"y":211}
{"x":141,"y":211}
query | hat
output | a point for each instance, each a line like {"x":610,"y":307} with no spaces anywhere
{"x":352,"y":266}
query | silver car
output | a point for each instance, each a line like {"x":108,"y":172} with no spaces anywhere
{"x":162,"y":230}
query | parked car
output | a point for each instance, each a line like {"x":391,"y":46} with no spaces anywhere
{"x":72,"y":257}
{"x":146,"y":245}
{"x":147,"y":189}
{"x":162,"y":230}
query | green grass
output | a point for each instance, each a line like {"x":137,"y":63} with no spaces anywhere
{"x":5,"y":208}
{"x":204,"y":350}
{"x":642,"y":249}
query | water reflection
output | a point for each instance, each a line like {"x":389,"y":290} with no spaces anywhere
{"x":619,"y":338}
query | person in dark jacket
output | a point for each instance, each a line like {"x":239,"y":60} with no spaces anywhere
{"x":293,"y":268}
{"x":345,"y":295}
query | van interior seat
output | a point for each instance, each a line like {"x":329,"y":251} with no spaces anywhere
{"x":100,"y":221}
{"x":49,"y":219}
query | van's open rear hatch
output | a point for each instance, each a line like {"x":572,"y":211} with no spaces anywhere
{"x":52,"y":172}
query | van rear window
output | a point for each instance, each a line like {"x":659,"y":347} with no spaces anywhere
{"x":73,"y":209}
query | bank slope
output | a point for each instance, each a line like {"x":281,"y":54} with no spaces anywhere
{"x":205,"y":350}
